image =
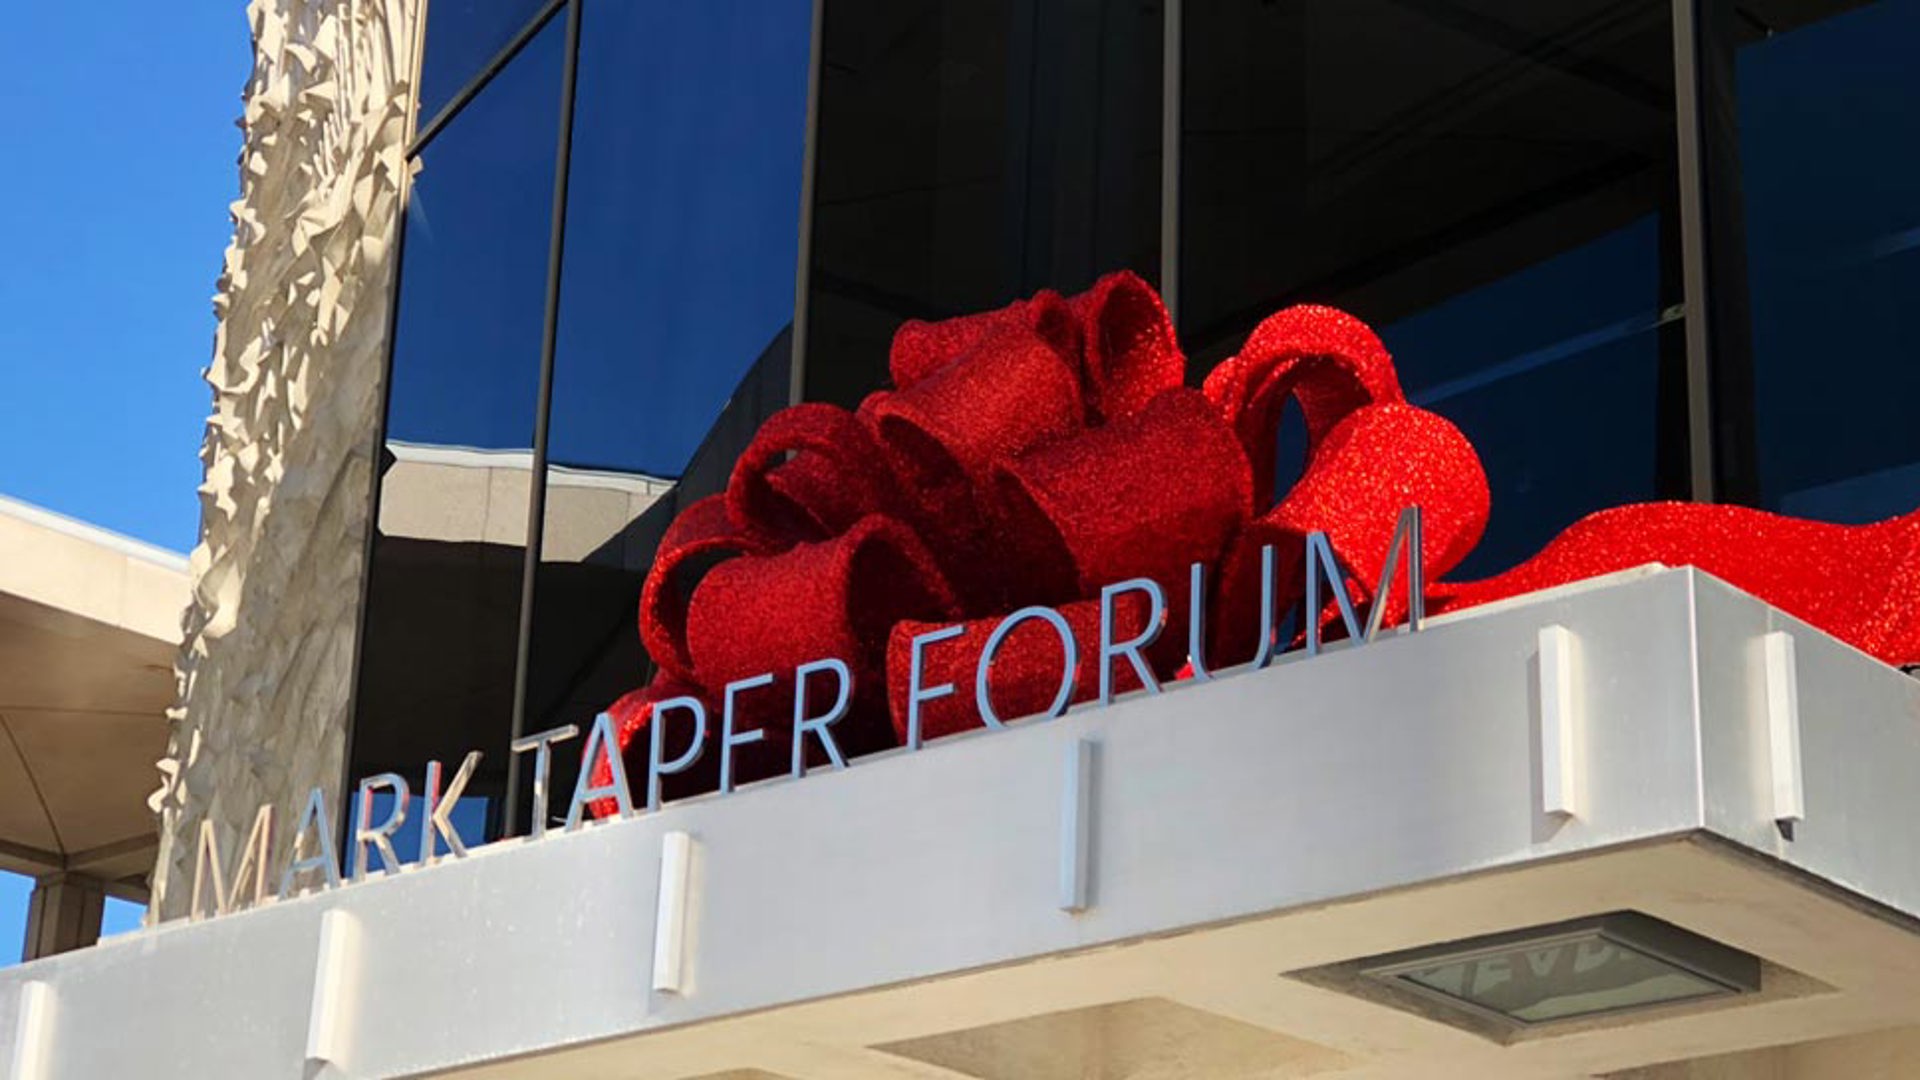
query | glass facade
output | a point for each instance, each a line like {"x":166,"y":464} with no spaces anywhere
{"x":653,"y":330}
{"x":1604,"y":238}
{"x":676,"y":288}
{"x":972,"y":154}
{"x":1492,"y":186}
{"x":466,"y":35}
{"x":437,"y":669}
{"x":1828,"y":211}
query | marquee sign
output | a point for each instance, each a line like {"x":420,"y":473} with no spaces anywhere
{"x":603,"y":788}
{"x":1041,"y":514}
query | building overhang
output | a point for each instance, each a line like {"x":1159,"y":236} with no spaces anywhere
{"x":1164,"y":888}
{"x":89,"y":625}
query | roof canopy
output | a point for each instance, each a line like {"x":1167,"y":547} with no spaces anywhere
{"x":89,"y":621}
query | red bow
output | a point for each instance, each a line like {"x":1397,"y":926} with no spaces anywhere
{"x":1034,"y":454}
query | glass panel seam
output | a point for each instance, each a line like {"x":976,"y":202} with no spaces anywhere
{"x":1690,"y":133}
{"x":480,"y":80}
{"x":1172,"y":64}
{"x":537,"y":480}
{"x":809,"y":163}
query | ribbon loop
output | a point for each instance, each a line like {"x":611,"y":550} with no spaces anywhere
{"x":922,"y":347}
{"x":836,"y":476}
{"x":701,"y":532}
{"x":1327,"y":360}
{"x":1130,"y":353}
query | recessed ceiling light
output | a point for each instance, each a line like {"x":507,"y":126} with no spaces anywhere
{"x":1569,"y":971}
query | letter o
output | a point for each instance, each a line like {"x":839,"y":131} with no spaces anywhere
{"x":1069,"y":647}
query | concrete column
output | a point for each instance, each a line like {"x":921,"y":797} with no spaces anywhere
{"x":64,"y":914}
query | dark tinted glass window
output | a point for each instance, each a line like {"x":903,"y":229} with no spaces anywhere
{"x":1827,"y":99}
{"x":682,"y":205}
{"x":443,"y":610}
{"x":1490,"y":184}
{"x":676,"y":293}
{"x":972,"y":153}
{"x":462,"y":36}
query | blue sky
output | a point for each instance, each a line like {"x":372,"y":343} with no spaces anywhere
{"x":117,"y":119}
{"x":120,"y":146}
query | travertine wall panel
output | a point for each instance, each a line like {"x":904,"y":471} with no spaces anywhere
{"x":265,"y":668}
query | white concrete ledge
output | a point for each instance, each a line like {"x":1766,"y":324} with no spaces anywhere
{"x":1367,"y":799}
{"x":78,"y":569}
{"x":90,"y":624}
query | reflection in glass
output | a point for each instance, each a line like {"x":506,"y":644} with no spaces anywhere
{"x":1583,"y":968}
{"x":969,"y":154}
{"x":1827,"y":95}
{"x":1490,"y":183}
{"x":1579,"y":977}
{"x":1564,"y":424}
{"x":462,"y":36}
{"x":437,"y":670}
{"x":676,"y":292}
{"x":681,"y":207}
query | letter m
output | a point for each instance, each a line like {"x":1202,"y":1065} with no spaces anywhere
{"x":1321,"y":561}
{"x":208,"y":865}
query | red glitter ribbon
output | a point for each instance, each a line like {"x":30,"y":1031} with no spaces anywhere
{"x":1034,"y":454}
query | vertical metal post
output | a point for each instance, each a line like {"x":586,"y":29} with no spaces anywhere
{"x":1719,"y":329}
{"x":537,"y":481}
{"x":809,"y":163}
{"x":1693,"y":246}
{"x":1171,"y":64}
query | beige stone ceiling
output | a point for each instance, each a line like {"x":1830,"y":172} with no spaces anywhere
{"x":89,"y":623}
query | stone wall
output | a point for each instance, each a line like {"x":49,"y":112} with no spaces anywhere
{"x":265,"y":670}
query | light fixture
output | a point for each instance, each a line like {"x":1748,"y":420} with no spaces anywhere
{"x":1569,"y":971}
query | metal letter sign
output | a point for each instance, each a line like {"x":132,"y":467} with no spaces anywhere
{"x":313,"y":854}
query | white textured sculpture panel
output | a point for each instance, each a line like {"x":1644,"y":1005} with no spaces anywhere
{"x":265,"y":668}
